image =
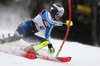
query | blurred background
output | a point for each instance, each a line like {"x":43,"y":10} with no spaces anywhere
{"x":85,"y":15}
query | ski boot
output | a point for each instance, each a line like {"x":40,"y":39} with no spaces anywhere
{"x":33,"y":49}
{"x":29,"y":49}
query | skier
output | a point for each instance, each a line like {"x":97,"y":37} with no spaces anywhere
{"x":44,"y":20}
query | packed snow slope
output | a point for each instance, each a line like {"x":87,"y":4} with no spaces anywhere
{"x":82,"y":55}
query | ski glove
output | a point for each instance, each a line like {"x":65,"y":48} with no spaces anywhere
{"x":67,"y":23}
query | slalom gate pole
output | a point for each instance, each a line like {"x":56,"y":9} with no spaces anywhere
{"x":67,"y":29}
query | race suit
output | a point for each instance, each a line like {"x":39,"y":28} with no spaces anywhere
{"x":28,"y":29}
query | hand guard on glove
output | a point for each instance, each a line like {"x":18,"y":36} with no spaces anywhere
{"x":67,"y":23}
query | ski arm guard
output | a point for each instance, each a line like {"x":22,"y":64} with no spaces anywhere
{"x":67,"y":23}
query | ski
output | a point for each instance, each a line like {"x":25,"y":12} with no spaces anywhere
{"x":58,"y":59}
{"x":33,"y":56}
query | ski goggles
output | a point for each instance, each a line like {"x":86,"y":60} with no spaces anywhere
{"x":59,"y":13}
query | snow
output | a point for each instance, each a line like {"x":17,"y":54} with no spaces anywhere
{"x":82,"y":55}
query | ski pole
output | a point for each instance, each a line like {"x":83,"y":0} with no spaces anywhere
{"x":67,"y":29}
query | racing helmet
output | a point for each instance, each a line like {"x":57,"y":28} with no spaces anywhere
{"x":57,"y":9}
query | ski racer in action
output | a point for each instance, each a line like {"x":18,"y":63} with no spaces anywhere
{"x":44,"y":20}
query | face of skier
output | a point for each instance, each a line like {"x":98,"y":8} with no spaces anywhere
{"x":57,"y":17}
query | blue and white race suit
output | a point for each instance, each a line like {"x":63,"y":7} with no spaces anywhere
{"x":42,"y":21}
